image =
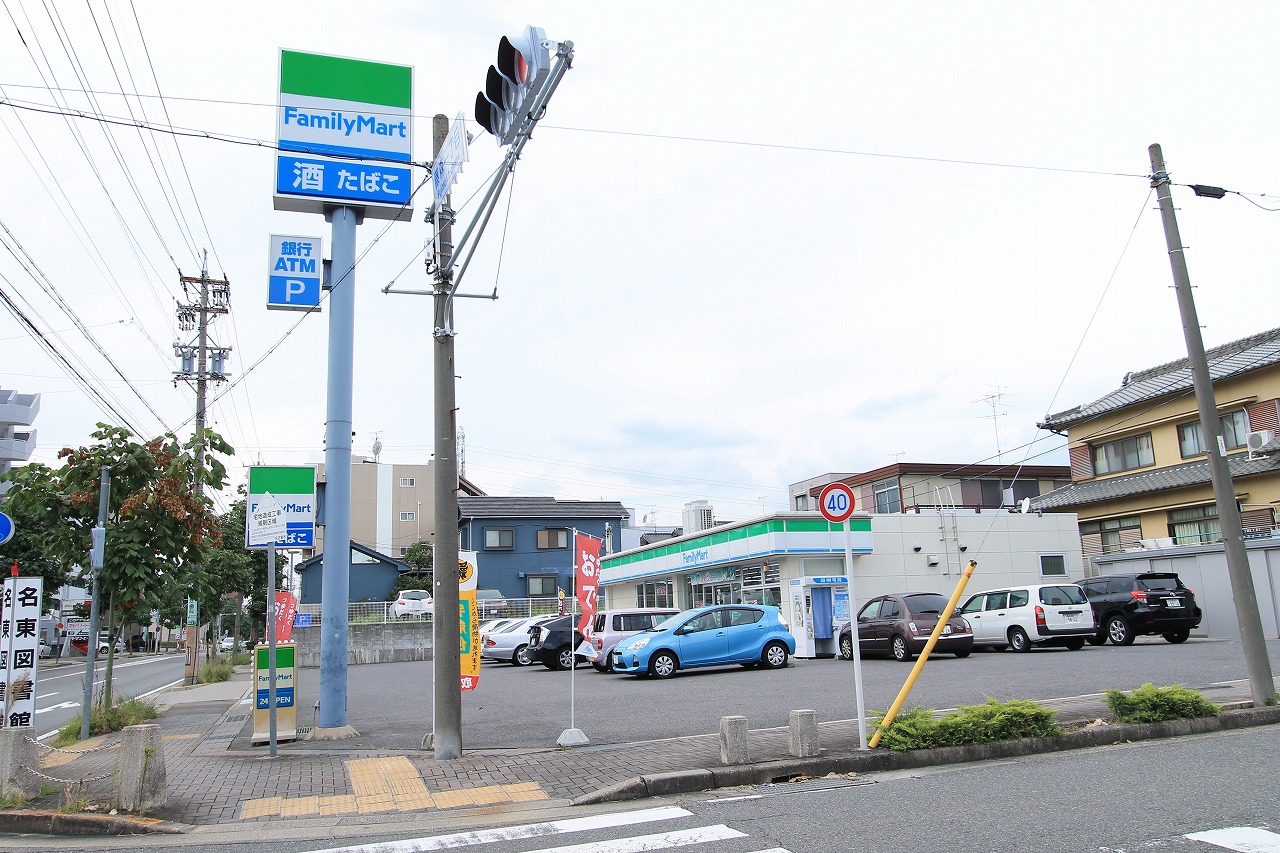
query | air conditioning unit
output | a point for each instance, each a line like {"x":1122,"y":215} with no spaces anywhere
{"x":1259,"y":439}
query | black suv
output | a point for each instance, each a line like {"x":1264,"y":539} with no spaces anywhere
{"x":553,"y":643}
{"x":1127,"y":605}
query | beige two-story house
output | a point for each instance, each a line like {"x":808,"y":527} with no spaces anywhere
{"x":1139,"y":471}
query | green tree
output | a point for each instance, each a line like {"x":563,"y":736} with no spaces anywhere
{"x":419,"y":556}
{"x":159,"y":531}
{"x":25,"y":549}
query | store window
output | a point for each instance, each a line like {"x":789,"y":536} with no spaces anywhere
{"x":656,"y":594}
{"x":762,"y":585}
{"x":499,"y":538}
{"x":553,"y":538}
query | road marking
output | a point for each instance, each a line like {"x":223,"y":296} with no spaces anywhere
{"x":1246,"y":839}
{"x":659,"y":841}
{"x":511,"y":833}
{"x":736,"y":799}
{"x":56,"y":707}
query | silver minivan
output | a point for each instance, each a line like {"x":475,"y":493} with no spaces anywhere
{"x":612,"y":626}
{"x":1020,"y":617}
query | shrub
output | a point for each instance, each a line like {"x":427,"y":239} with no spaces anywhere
{"x":990,"y":721}
{"x":130,"y":712}
{"x":215,"y":670}
{"x":1151,"y":704}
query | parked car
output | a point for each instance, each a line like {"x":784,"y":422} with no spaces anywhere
{"x":509,"y":641}
{"x":227,"y":644}
{"x":1026,"y":616}
{"x":103,"y":644}
{"x":412,"y":602}
{"x":1126,"y":605}
{"x":745,"y":634}
{"x":899,"y":625}
{"x":553,"y":643}
{"x":490,"y":603}
{"x":612,"y":626}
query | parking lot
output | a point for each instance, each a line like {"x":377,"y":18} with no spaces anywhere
{"x":522,"y":707}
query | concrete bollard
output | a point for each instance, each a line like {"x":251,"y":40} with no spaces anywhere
{"x":17,"y":751}
{"x":140,"y":776}
{"x":733,"y":740}
{"x":802,"y":735}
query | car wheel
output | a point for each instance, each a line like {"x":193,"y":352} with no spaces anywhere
{"x":1178,"y":636}
{"x":565,"y":658}
{"x":602,"y":668}
{"x":901,"y":651}
{"x":521,"y":656}
{"x":774,"y":656}
{"x":1018,"y":640}
{"x":846,"y":648}
{"x":662,"y":665}
{"x":1075,"y":644}
{"x":1119,"y":632}
{"x":964,"y":653}
{"x":1098,"y":639}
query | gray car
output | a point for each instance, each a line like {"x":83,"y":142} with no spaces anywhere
{"x":509,"y":642}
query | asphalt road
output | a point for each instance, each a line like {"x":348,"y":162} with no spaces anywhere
{"x":60,"y":689}
{"x":514,"y":707}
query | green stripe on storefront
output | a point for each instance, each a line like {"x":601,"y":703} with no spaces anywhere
{"x":776,"y":525}
{"x":282,"y":481}
{"x":317,"y":76}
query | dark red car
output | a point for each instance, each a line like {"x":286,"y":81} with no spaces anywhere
{"x":899,"y":625}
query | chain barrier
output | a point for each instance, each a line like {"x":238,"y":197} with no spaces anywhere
{"x":111,"y":745}
{"x":86,"y":780}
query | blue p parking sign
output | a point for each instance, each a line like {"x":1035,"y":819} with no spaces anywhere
{"x":295,"y":265}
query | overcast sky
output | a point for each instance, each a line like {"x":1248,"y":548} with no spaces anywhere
{"x":750,"y":243}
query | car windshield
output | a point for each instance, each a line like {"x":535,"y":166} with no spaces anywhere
{"x":1159,"y":582}
{"x":925,"y":602}
{"x":674,"y":621}
{"x":1061,"y":595}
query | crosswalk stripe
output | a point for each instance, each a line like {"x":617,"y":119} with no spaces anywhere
{"x":511,"y":833}
{"x":1246,"y":839}
{"x":659,"y":841}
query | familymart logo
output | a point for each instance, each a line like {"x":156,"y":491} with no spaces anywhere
{"x":337,"y":121}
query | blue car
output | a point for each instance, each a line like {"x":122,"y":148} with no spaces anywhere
{"x":746,"y":634}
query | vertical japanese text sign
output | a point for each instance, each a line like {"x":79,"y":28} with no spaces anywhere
{"x":345,"y":132}
{"x":586,"y":584}
{"x":294,"y":488}
{"x":20,"y":648}
{"x":468,"y":620}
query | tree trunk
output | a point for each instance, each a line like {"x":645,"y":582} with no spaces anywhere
{"x":111,"y":652}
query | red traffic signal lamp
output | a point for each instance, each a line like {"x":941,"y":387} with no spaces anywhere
{"x":512,"y":84}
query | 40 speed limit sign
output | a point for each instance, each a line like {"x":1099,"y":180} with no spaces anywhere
{"x":836,"y":502}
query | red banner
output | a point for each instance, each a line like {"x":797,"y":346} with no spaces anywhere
{"x":586,"y":575}
{"x":286,"y":609}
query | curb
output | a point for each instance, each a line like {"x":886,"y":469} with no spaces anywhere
{"x":729,"y":776}
{"x":57,"y":823}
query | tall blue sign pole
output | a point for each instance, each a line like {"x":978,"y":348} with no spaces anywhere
{"x":345,"y":132}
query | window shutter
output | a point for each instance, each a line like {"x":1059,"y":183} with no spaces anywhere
{"x":1263,"y":415}
{"x":1261,"y":520}
{"x":1081,"y":463}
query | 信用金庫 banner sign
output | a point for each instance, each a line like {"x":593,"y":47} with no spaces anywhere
{"x":294,"y":489}
{"x":345,"y":132}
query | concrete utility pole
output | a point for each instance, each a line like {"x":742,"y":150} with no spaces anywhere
{"x":446,"y":730}
{"x":1261,"y":682}
{"x":214,"y":299}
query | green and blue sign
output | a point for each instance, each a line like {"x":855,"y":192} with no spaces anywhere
{"x":294,"y":489}
{"x":345,"y":130}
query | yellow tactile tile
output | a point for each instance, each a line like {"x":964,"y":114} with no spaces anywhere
{"x":300,"y":806}
{"x":57,"y":759}
{"x":265,"y":807}
{"x":526,"y":792}
{"x":341,"y":804}
{"x":453,"y":799}
{"x":489,"y":794}
{"x":413,"y":802}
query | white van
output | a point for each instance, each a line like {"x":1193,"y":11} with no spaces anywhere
{"x":1023,"y":616}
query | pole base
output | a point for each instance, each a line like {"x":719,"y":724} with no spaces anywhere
{"x":331,"y":733}
{"x":572,"y":737}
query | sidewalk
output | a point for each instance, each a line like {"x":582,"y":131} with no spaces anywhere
{"x":212,"y":782}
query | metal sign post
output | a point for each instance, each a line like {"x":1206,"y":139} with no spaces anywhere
{"x":837,"y":503}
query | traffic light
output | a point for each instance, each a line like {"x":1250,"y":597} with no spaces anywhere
{"x":512,"y":84}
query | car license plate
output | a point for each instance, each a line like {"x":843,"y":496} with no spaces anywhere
{"x":946,"y":629}
{"x":1072,"y":617}
{"x":1173,"y":602}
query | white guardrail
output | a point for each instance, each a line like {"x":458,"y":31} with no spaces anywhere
{"x":372,"y":612}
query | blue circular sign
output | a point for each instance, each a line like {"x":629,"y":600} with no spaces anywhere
{"x":6,"y":528}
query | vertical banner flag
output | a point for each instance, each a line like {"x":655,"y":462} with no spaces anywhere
{"x":19,"y":656}
{"x":586,"y":579}
{"x":468,"y":620}
{"x":286,"y":609}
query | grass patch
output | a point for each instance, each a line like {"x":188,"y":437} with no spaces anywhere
{"x":129,"y":712}
{"x":241,"y":658}
{"x":1151,"y":704}
{"x":215,"y":670}
{"x":991,"y":721}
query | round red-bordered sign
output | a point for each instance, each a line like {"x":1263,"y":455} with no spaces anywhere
{"x":836,"y":502}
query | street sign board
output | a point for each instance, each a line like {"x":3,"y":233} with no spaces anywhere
{"x":193,"y":609}
{"x":836,"y":502}
{"x":20,"y":621}
{"x":6,"y":528}
{"x":448,"y":164}
{"x":345,"y":132}
{"x":294,"y":489}
{"x":294,"y":267}
{"x":266,"y":522}
{"x":286,"y":681}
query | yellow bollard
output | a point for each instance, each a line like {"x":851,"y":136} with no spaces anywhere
{"x":943,"y":618}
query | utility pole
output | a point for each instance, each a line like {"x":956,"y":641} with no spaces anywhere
{"x":201,"y":363}
{"x":97,"y":556}
{"x":1258,"y":665}
{"x":446,"y":728}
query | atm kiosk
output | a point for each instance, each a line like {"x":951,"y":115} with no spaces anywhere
{"x":816,"y":608}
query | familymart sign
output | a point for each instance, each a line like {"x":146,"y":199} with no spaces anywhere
{"x":345,"y":131}
{"x":294,"y":490}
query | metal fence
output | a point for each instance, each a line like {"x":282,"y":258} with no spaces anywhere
{"x":372,"y":612}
